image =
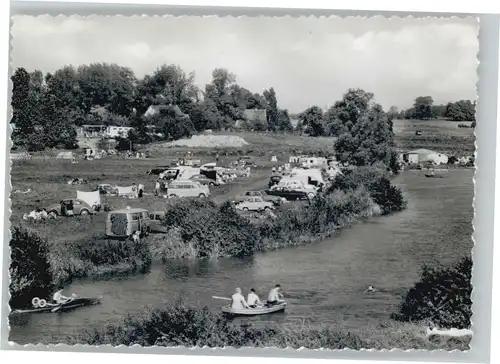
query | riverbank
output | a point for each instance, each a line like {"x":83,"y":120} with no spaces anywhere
{"x":176,"y":324}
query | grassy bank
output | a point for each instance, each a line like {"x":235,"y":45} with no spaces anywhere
{"x":177,"y":324}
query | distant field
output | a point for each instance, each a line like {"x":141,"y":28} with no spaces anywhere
{"x":440,"y":135}
{"x":259,"y":144}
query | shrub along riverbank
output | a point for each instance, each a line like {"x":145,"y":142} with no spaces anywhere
{"x":177,"y":324}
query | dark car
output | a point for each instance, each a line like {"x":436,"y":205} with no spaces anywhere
{"x":158,"y":170}
{"x":274,"y":180}
{"x":287,"y":193}
{"x":204,"y":180}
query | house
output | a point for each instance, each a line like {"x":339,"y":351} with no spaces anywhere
{"x":425,"y":155}
{"x":310,"y":162}
{"x":91,"y":131}
{"x":117,"y":131}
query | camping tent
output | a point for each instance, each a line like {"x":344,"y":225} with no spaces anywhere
{"x":65,"y":155}
{"x":92,"y":198}
{"x":125,"y":191}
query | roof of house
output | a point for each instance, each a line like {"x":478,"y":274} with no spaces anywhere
{"x":131,"y":210}
{"x":422,"y":151}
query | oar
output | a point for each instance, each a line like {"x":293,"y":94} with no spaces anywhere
{"x":221,"y":298}
{"x":55,"y":309}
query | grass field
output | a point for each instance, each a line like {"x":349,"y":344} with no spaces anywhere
{"x":259,"y":144}
{"x":439,"y":135}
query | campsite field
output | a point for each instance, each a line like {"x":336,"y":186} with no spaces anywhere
{"x":47,"y":181}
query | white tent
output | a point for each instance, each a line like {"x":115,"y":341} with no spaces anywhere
{"x":65,"y":155}
{"x":91,"y":198}
{"x":125,"y":191}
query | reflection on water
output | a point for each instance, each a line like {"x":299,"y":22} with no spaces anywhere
{"x":324,"y":283}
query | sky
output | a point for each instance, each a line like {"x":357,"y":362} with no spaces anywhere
{"x":308,"y":60}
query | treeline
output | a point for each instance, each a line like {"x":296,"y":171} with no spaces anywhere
{"x":47,"y":108}
{"x":424,"y":109}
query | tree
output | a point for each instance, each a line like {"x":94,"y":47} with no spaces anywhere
{"x":174,"y":123}
{"x":462,"y":110}
{"x":438,"y":111}
{"x":284,"y":123}
{"x":344,"y":114}
{"x":311,"y":121}
{"x":369,"y":141}
{"x":30,"y":269}
{"x":107,"y":85}
{"x":221,"y":92}
{"x":25,"y":111}
{"x":423,"y":107}
{"x":393,"y":113}
{"x":272,"y":109}
{"x":169,"y":85}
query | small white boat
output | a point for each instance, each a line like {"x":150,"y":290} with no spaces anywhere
{"x":260,"y":310}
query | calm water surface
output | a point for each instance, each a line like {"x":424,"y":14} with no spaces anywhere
{"x":323,"y":282}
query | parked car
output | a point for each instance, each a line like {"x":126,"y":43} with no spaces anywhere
{"x":106,"y":189}
{"x":123,"y":223}
{"x":187,"y":188}
{"x":156,"y":222}
{"x":71,"y":207}
{"x":204,"y":180}
{"x":300,"y":186}
{"x":274,"y":180}
{"x":288,"y":193}
{"x":275,"y":200}
{"x":418,"y":132}
{"x":158,"y":170}
{"x":254,"y":203}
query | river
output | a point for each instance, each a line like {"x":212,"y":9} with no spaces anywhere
{"x":322,"y":282}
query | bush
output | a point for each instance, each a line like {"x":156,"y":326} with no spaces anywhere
{"x":326,"y":214}
{"x":442,"y":296}
{"x":177,"y":324}
{"x":97,"y":257}
{"x":30,"y":270}
{"x":377,"y":181}
{"x":214,"y":231}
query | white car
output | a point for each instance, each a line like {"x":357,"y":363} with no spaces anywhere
{"x":187,"y":189}
{"x":254,"y":203}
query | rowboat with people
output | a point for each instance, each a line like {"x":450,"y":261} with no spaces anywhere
{"x":255,"y":311}
{"x":41,"y":305}
{"x":253,"y":306}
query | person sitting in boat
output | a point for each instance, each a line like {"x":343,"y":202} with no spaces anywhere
{"x":253,"y":300}
{"x":274,"y":296}
{"x":237,"y":300}
{"x":59,"y":298}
